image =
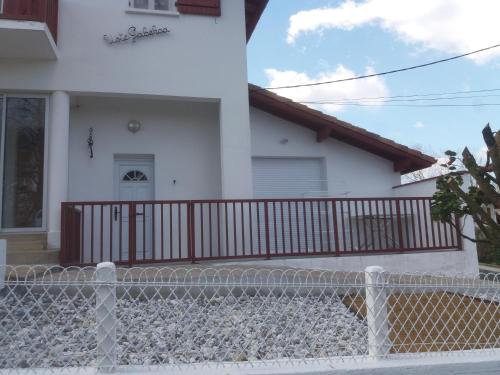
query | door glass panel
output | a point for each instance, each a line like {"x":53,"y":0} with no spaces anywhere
{"x":22,"y":203}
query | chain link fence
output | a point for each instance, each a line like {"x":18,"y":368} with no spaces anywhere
{"x":109,"y":318}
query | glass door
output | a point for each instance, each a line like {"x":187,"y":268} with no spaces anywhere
{"x":23,"y":162}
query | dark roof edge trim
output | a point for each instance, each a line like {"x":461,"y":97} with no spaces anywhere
{"x":253,"y":11}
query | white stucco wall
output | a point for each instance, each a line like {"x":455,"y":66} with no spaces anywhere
{"x":438,"y":262}
{"x":459,"y":262}
{"x":425,"y":188}
{"x":182,"y":136}
{"x":351,"y":172}
{"x":202,"y":57}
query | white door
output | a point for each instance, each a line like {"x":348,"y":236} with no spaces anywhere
{"x":134,"y":182}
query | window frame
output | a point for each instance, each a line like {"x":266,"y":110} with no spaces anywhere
{"x":128,"y":179}
{"x":3,"y":123}
{"x":172,"y":8}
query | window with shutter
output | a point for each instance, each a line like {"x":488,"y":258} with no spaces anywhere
{"x":160,"y":5}
{"x":201,"y":7}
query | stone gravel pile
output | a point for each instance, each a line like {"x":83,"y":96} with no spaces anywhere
{"x":56,"y":330}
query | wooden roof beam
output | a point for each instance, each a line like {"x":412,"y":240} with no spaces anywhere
{"x":402,"y":165}
{"x":323,"y":134}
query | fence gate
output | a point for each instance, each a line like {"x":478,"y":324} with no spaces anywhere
{"x":125,"y":233}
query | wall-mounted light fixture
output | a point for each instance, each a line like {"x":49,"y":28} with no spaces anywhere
{"x":134,"y":126}
{"x":90,"y":142}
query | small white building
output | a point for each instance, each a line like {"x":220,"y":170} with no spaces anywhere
{"x":136,"y":116}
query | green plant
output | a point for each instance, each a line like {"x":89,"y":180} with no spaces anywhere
{"x":478,"y":201}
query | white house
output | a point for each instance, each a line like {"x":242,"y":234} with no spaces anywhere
{"x":136,"y":116}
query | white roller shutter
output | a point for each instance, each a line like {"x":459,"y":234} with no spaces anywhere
{"x":289,"y":177}
{"x":283,"y":178}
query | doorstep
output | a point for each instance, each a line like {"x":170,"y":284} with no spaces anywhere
{"x":29,"y":248}
{"x":39,"y":257}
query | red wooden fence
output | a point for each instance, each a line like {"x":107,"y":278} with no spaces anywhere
{"x":189,"y":231}
{"x":33,"y":10}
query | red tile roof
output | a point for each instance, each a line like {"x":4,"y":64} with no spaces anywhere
{"x":405,"y":159}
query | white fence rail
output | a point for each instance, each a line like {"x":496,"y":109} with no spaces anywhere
{"x":110,"y":318}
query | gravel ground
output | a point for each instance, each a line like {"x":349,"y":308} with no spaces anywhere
{"x":43,"y":330}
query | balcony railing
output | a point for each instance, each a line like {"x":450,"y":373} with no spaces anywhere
{"x":32,"y":10}
{"x":179,"y":231}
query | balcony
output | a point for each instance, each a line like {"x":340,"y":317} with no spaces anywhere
{"x":28,"y":29}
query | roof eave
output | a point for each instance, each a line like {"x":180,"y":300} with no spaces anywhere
{"x":253,"y":12}
{"x":405,"y":160}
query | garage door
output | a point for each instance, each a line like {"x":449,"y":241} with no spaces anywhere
{"x":289,"y":177}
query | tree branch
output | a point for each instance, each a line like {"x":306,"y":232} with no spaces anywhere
{"x":493,"y":142}
{"x":479,"y":175}
{"x":459,"y":230}
{"x":473,"y":206}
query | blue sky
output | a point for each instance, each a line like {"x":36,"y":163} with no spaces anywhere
{"x":323,"y":40}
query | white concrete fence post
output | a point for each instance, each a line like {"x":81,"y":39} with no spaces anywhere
{"x":376,"y":312}
{"x":3,"y":262}
{"x":106,"y":317}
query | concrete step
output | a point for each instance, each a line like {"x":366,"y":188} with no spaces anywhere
{"x":25,"y":241}
{"x":32,"y":257}
{"x":29,"y":248}
{"x":25,"y":236}
{"x":26,"y":245}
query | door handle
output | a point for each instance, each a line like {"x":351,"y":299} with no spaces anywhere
{"x":116,"y":213}
{"x":139,"y":214}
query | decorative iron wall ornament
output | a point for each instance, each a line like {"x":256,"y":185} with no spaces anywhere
{"x":90,"y":142}
{"x":134,"y":35}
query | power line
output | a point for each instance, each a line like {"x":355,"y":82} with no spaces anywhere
{"x":411,"y":105}
{"x":381,"y":101}
{"x":414,"y":95}
{"x":387,"y":72}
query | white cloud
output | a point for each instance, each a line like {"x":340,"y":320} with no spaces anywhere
{"x":419,"y":125}
{"x":370,"y":87}
{"x":452,"y":26}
